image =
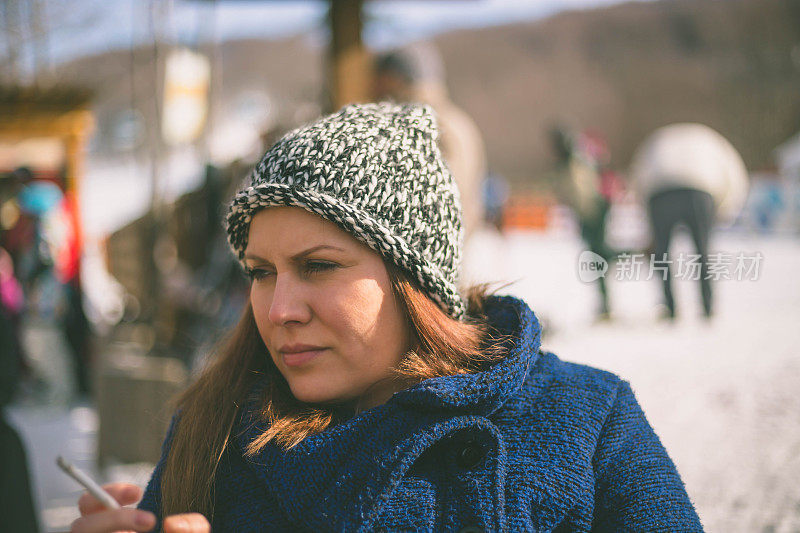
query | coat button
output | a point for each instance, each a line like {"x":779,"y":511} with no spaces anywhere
{"x":472,"y":529}
{"x":469,"y":455}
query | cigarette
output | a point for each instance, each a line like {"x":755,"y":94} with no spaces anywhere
{"x":80,"y":476}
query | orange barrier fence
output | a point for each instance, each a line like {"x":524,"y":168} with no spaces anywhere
{"x":527,"y":212}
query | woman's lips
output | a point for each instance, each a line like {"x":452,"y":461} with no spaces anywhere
{"x":301,"y":358}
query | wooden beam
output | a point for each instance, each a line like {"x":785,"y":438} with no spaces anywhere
{"x":16,"y":126}
{"x":349,"y":71}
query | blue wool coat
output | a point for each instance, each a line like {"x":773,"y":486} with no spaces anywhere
{"x":531,"y":444}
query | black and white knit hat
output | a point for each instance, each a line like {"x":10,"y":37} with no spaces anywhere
{"x":377,"y":172}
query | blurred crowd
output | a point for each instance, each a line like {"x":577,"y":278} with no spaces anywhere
{"x":40,"y":252}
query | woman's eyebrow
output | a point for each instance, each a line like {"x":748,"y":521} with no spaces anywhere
{"x":300,"y":255}
{"x":316,"y":249}
{"x":254,"y":257}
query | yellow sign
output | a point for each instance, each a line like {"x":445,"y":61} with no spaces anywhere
{"x":185,"y":96}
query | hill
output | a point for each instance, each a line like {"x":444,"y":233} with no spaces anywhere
{"x":623,"y":70}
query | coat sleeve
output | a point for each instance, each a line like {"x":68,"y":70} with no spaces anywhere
{"x":637,"y":487}
{"x":151,"y":501}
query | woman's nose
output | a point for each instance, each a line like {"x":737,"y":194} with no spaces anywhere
{"x":288,"y":305}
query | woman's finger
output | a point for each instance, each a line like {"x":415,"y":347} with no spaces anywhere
{"x":186,"y":523}
{"x":124,"y":493}
{"x":114,"y":520}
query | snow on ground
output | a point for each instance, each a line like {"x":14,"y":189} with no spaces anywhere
{"x":721,"y":394}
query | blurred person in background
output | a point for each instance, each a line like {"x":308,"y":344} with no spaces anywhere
{"x":31,"y":243}
{"x":19,"y":235}
{"x":594,"y":144}
{"x":495,"y":195}
{"x":12,"y":304}
{"x":362,"y":391}
{"x":688,"y":174}
{"x":416,"y":74}
{"x":16,"y":235}
{"x":46,"y":249}
{"x":72,"y":317}
{"x":589,"y":191}
{"x":17,"y":511}
{"x":769,"y":203}
{"x":206,"y":288}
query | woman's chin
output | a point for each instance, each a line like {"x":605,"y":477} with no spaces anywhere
{"x":308,"y":393}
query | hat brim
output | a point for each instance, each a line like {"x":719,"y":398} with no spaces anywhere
{"x":358,"y":223}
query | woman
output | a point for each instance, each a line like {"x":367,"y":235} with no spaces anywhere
{"x":360,"y":392}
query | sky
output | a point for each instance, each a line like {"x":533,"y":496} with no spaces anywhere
{"x":82,"y":27}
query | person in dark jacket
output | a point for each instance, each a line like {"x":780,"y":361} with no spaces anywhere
{"x":362,"y":392}
{"x":17,"y":507}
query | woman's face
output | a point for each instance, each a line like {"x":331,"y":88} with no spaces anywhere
{"x":324,"y":306}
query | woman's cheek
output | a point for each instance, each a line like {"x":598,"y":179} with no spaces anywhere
{"x":360,"y":307}
{"x":259,"y":300}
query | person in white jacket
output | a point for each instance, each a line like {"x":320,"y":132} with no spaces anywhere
{"x":688,"y":174}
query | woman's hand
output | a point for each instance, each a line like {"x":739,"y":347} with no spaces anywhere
{"x":186,"y":523}
{"x":96,"y":518}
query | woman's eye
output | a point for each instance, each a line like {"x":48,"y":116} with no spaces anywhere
{"x":314,"y":267}
{"x":257,"y":274}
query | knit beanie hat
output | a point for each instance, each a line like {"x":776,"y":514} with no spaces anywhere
{"x":377,"y":172}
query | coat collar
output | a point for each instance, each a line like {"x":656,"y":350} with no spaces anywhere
{"x":484,"y":392}
{"x":341,"y":478}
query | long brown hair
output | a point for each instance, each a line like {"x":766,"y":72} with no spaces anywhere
{"x":208,"y":408}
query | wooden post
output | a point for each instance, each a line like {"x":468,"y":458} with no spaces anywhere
{"x":80,"y":127}
{"x":75,"y":144}
{"x":349,"y":61}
